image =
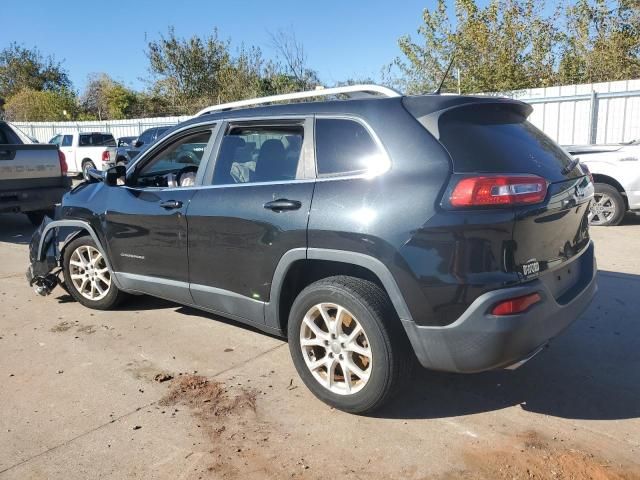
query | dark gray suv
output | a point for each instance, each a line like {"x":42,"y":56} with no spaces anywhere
{"x":370,"y":232}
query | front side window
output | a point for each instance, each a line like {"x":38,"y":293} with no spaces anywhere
{"x":56,"y":140}
{"x":177,"y":164}
{"x":345,"y":147}
{"x":67,"y":140}
{"x":254,"y":154}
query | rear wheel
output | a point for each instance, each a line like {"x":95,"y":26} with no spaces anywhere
{"x":348,"y":345}
{"x":87,"y":276}
{"x":608,"y":207}
{"x":86,"y":166}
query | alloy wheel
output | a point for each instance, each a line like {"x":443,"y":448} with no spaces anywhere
{"x":603,"y":209}
{"x":89,"y":273}
{"x":335,"y":348}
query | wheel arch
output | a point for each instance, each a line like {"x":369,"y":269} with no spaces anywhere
{"x":602,"y":178}
{"x":79,"y":229}
{"x":301,"y":267}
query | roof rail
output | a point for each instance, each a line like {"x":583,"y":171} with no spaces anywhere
{"x":349,"y":90}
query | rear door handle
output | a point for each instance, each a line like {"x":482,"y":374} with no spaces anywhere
{"x":283,"y":204}
{"x":171,"y":204}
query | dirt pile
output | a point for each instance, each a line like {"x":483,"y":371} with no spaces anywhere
{"x":533,"y":457}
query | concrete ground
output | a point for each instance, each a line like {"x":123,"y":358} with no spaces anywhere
{"x":87,"y":394}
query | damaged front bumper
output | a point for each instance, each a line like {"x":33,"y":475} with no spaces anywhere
{"x":44,"y":259}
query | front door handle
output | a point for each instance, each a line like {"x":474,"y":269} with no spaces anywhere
{"x":282,"y":204}
{"x":171,"y":204}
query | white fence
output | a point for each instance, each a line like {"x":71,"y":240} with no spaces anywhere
{"x":571,"y":114}
{"x":594,"y":113}
{"x":44,"y":131}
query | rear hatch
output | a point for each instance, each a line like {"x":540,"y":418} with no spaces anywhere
{"x":495,"y":139}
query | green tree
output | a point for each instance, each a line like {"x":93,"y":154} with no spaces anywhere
{"x":29,"y":105}
{"x":106,"y":99}
{"x":602,"y":43}
{"x":26,"y":68}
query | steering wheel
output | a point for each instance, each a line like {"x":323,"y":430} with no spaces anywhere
{"x":186,"y":177}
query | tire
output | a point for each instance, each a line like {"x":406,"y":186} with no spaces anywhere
{"x":80,"y":250}
{"x":608,"y":206}
{"x":86,"y":165}
{"x":390,"y":359}
{"x":37,"y":216}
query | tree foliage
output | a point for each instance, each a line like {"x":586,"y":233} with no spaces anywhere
{"x":41,"y":105}
{"x":516,"y":44}
{"x":195,"y":72}
{"x":106,"y":99}
{"x":26,"y":68}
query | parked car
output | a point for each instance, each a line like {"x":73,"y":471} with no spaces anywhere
{"x":128,"y":153}
{"x":87,"y":150}
{"x":364,"y":230}
{"x":32,"y":176}
{"x":616,"y":173}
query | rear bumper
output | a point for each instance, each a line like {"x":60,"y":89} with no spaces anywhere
{"x":479,"y":341}
{"x":33,"y":199}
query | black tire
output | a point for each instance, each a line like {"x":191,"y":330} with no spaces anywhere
{"x":86,"y":165}
{"x":37,"y":217}
{"x":392,"y":357}
{"x":113,"y":296}
{"x":613,"y":198}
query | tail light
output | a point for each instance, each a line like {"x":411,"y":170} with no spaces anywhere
{"x":498,"y":190}
{"x":64,"y":168}
{"x":106,"y":156}
{"x":516,"y":305}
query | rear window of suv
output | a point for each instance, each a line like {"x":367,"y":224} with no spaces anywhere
{"x":344,"y":147}
{"x":97,"y":140}
{"x":499,"y":139}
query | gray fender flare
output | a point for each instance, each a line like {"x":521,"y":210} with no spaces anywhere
{"x":81,"y":226}
{"x":343,"y":256}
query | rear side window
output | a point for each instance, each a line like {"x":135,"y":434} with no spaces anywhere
{"x":67,"y":140}
{"x":497,"y":139}
{"x":97,"y":140}
{"x":344,"y":146}
{"x":253,"y":154}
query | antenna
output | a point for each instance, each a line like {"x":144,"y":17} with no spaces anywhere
{"x":446,"y":74}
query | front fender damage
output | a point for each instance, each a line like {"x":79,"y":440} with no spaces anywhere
{"x":45,"y":254}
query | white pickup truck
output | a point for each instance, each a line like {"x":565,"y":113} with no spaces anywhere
{"x":86,"y":150}
{"x":616,"y":173}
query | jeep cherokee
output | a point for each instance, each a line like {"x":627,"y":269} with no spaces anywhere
{"x":370,"y":232}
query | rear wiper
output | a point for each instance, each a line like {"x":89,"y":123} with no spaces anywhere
{"x":574,"y":163}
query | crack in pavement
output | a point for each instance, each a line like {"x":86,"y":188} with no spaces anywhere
{"x":137,"y":409}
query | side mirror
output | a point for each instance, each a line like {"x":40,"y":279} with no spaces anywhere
{"x":115,"y":176}
{"x":138,"y":143}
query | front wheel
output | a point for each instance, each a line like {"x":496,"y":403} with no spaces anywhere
{"x":86,"y":166}
{"x":348,"y":345}
{"x":87,"y":276}
{"x":608,"y":207}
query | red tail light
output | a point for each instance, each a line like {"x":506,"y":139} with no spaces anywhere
{"x":516,"y":305}
{"x":64,"y":168}
{"x":106,"y":156}
{"x":499,"y":190}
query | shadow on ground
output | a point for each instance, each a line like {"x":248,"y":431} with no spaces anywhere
{"x":15,"y":228}
{"x":592,"y":371}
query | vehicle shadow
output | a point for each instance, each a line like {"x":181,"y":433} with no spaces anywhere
{"x":592,"y":371}
{"x":15,"y":228}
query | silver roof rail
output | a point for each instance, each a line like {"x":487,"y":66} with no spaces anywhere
{"x":349,"y":90}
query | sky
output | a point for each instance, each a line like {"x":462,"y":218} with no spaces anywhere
{"x":342,"y":39}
